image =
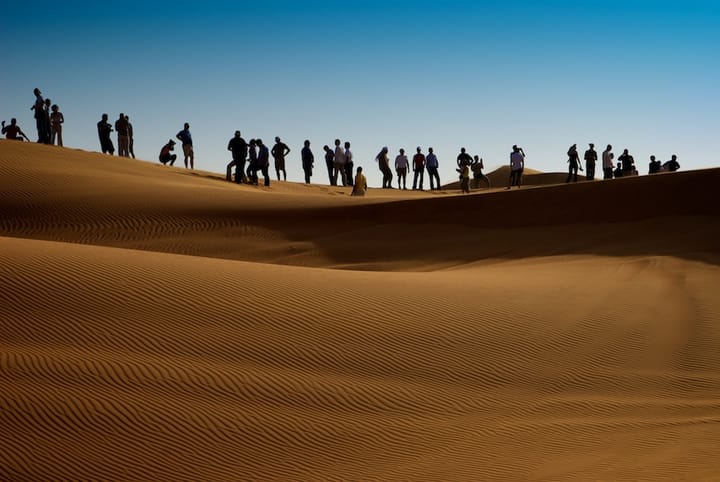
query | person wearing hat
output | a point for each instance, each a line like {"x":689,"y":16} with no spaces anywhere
{"x":239,"y":149}
{"x":279,"y":151}
{"x":165,"y":155}
{"x":590,"y":160}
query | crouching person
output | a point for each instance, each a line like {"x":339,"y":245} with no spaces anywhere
{"x":165,"y":153}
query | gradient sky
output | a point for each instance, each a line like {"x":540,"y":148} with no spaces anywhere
{"x":639,"y":74}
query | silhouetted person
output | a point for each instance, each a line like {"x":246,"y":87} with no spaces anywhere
{"x":330,"y":163}
{"x":121,"y":127}
{"x":627,"y":162}
{"x":608,"y":162}
{"x":56,"y":122}
{"x":339,"y":164}
{"x":47,"y":128}
{"x":131,"y":138}
{"x":517,"y":165}
{"x":166,"y":154}
{"x":263,"y":160}
{"x":185,"y":137}
{"x":349,"y":164}
{"x":384,"y":164}
{"x":13,"y":131}
{"x":104,"y":129}
{"x":573,"y":163}
{"x":654,"y":166}
{"x":360,"y":185}
{"x":418,"y":168}
{"x":279,"y":151}
{"x":590,"y":161}
{"x":252,"y":169}
{"x":308,"y":161}
{"x":619,"y":171}
{"x":477,"y":167}
{"x":401,"y":168}
{"x":672,"y":165}
{"x":463,"y":158}
{"x":40,"y":117}
{"x":239,"y":149}
{"x":432,"y":164}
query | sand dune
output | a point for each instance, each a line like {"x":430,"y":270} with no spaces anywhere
{"x":165,"y":325}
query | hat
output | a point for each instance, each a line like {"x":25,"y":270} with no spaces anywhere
{"x":171,"y":142}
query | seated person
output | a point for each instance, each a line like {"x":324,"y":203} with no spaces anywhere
{"x":360,"y":186}
{"x":11,"y":132}
{"x":618,"y":170}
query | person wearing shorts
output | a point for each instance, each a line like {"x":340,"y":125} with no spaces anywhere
{"x":187,"y":145}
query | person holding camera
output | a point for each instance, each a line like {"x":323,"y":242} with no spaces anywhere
{"x":104,"y":129}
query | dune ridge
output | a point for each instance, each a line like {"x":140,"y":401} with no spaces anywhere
{"x":210,"y":336}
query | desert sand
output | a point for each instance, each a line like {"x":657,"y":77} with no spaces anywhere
{"x":161,"y":324}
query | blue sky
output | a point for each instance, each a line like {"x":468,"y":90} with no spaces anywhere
{"x":485,"y":75}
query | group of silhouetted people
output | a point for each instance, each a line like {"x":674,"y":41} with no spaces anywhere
{"x":125,"y":139}
{"x":625,"y":164}
{"x":48,"y":119}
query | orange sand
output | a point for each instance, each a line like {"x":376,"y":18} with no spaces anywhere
{"x":158,"y":324}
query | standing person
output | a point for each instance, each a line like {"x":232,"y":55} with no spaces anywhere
{"x":263,"y":160}
{"x":654,"y":166}
{"x":477,"y":167}
{"x":279,"y":151}
{"x":13,"y":130}
{"x":348,"y":164}
{"x":339,"y":164}
{"x":185,"y":137}
{"x":56,"y":122}
{"x":360,"y":185}
{"x":464,"y":170}
{"x":39,"y":114}
{"x":432,"y":164}
{"x":330,"y":163}
{"x":166,"y":153}
{"x":104,"y":129}
{"x":574,"y":163}
{"x":627,"y":163}
{"x":239,"y":149}
{"x":517,"y":165}
{"x":384,"y":164}
{"x":401,"y":168}
{"x":608,"y":163}
{"x":308,"y":161}
{"x":47,"y":129}
{"x":253,"y":164}
{"x":463,"y":159}
{"x":672,"y":165}
{"x":121,"y":126}
{"x":590,"y":160}
{"x":131,"y":140}
{"x":418,"y":168}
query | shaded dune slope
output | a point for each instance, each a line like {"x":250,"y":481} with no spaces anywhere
{"x":88,"y":198}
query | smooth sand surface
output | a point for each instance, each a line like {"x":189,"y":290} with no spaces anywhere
{"x":161,"y":324}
